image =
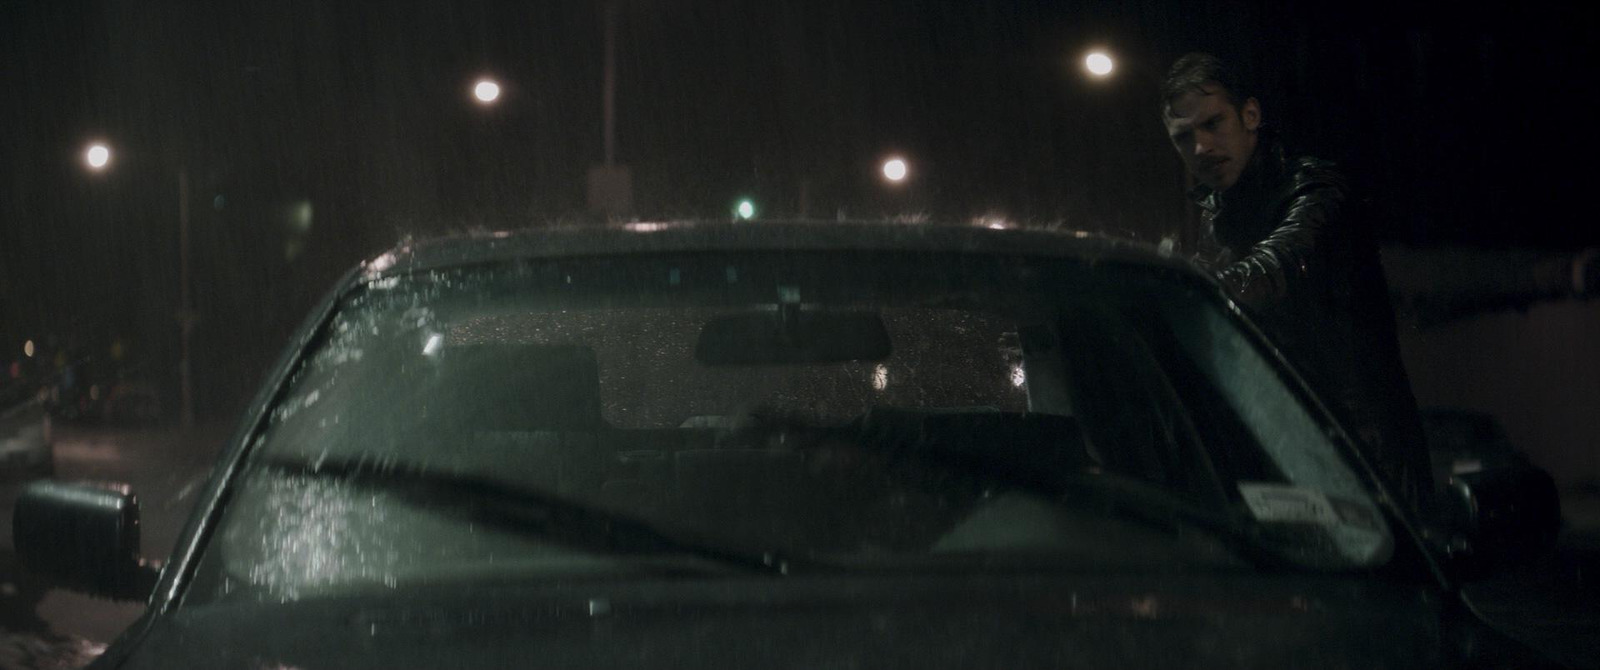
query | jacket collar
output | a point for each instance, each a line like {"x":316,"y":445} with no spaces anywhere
{"x":1256,"y":184}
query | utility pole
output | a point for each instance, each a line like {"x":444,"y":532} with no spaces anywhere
{"x":610,"y":185}
{"x":186,"y":317}
{"x":610,"y":95}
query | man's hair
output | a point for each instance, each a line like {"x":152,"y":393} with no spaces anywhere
{"x":1203,"y":73}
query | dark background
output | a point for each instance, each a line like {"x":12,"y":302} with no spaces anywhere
{"x":317,"y":132}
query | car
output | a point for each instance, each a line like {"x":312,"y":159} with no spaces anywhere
{"x":1465,"y":440}
{"x":27,"y":447}
{"x":1549,"y":603}
{"x":773,"y":444}
{"x":91,"y":392}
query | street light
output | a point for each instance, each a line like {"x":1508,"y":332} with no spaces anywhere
{"x":486,"y":91}
{"x":98,"y":156}
{"x":1098,"y":63}
{"x":895,"y":170}
{"x":746,"y":210}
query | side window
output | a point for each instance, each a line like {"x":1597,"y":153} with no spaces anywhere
{"x":1133,"y":422}
{"x":1304,"y":478}
{"x":1229,"y":444}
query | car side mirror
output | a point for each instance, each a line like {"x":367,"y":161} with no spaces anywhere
{"x":1500,"y":518}
{"x":83,"y":537}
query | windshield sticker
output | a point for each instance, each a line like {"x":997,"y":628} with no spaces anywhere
{"x":1356,"y":529}
{"x":1276,"y":502}
{"x":1355,"y":514}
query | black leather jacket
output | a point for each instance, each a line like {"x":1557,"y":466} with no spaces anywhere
{"x":1295,"y":250}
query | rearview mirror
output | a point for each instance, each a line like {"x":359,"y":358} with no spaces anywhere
{"x":790,"y":335}
{"x":83,"y":537}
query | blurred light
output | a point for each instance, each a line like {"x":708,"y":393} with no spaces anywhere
{"x":486,"y":91}
{"x":895,"y":170}
{"x":880,"y":378}
{"x":993,"y":221}
{"x":27,"y":348}
{"x":1099,"y":64}
{"x":381,"y":263}
{"x":300,"y":215}
{"x":98,"y":156}
{"x":435,"y":343}
{"x":746,"y":210}
{"x":645,"y":226}
{"x":1018,"y":376}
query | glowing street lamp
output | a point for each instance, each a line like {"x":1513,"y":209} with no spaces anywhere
{"x":895,"y":170}
{"x":486,"y":91}
{"x":1098,"y":63}
{"x":746,"y":210}
{"x":98,"y":156}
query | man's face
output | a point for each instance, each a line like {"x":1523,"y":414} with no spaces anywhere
{"x":1214,"y":138}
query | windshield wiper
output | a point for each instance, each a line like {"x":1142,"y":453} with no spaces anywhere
{"x":495,"y":502}
{"x":908,"y":439}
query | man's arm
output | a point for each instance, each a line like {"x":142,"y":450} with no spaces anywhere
{"x":1275,"y":267}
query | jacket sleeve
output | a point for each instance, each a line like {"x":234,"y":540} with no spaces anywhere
{"x":1277,"y":267}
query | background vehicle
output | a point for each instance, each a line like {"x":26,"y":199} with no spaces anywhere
{"x":1461,"y":440}
{"x":90,"y":392}
{"x":26,"y":444}
{"x":793,"y":445}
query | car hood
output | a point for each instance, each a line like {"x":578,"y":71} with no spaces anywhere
{"x":830,"y":623}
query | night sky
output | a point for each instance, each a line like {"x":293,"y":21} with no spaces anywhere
{"x":317,"y":132}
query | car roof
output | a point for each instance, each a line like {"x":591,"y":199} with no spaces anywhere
{"x":690,"y":236}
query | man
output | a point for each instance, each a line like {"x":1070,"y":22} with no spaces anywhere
{"x":1288,"y":242}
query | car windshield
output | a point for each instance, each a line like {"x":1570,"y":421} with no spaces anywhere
{"x":781,"y":411}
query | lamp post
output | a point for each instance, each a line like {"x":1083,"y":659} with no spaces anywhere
{"x":98,"y":157}
{"x":1139,"y":76}
{"x":610,"y":184}
{"x":186,"y":315}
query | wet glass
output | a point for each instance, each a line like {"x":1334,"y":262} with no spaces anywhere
{"x":549,"y":420}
